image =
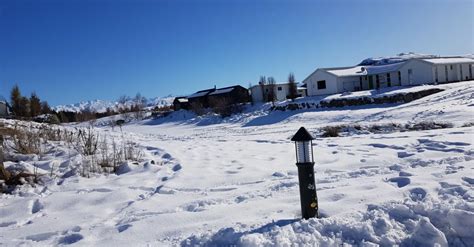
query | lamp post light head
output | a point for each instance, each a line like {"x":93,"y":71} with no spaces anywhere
{"x":304,"y":146}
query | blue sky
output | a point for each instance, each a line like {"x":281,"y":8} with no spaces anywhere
{"x":70,"y":51}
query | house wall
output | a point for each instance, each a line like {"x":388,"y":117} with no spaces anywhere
{"x":312,"y":83}
{"x":348,"y":84}
{"x":281,"y":91}
{"x":280,"y":95}
{"x":3,"y":110}
{"x":422,"y":73}
{"x":465,"y":72}
{"x":256,"y":93}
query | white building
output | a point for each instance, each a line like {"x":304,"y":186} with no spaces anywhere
{"x":280,"y":90}
{"x":412,"y":71}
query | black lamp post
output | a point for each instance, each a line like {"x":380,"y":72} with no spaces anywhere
{"x":305,"y":163}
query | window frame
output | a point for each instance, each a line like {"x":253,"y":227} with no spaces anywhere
{"x":321,"y":84}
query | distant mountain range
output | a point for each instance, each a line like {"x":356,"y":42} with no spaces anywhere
{"x":100,"y":106}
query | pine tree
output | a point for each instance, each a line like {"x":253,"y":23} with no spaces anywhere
{"x":35,"y":105}
{"x":45,"y":109}
{"x":15,"y":100}
{"x":293,"y":90}
{"x":24,"y":107}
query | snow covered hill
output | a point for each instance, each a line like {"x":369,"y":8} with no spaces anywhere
{"x":100,"y":106}
{"x":209,"y":182}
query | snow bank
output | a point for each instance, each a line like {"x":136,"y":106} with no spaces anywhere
{"x":410,"y":223}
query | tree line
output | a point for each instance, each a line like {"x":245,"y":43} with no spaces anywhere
{"x":27,"y":107}
{"x":31,"y":108}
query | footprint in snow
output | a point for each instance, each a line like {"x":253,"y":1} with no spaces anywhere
{"x":40,"y":236}
{"x":417,"y":194}
{"x":404,"y":154}
{"x":468,"y":180}
{"x":166,"y":156}
{"x":36,"y":206}
{"x":401,"y":181}
{"x":122,"y":228}
{"x":177,"y":167}
{"x":70,"y":239}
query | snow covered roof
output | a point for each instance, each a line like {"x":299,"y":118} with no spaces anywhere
{"x":449,"y":60}
{"x":182,"y":100}
{"x":201,"y":93}
{"x":364,"y":70}
{"x":380,"y":69}
{"x":395,"y":59}
{"x":347,"y":71}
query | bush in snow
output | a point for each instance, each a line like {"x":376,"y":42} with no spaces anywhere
{"x":331,"y":131}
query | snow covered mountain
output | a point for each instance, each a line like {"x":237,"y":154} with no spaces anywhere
{"x":101,"y":106}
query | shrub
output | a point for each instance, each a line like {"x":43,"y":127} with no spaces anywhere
{"x":87,"y":141}
{"x":428,"y":125}
{"x":468,"y":124}
{"x":331,"y":131}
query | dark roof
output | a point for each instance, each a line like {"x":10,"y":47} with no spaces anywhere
{"x":201,"y":93}
{"x":207,"y":90}
{"x":302,"y":135}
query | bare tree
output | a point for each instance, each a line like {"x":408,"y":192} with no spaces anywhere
{"x":262,"y":82}
{"x":293,"y":90}
{"x":271,"y":90}
{"x":139,"y":106}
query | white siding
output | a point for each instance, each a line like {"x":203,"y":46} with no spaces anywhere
{"x":348,"y":84}
{"x":320,"y":75}
{"x":256,"y":93}
{"x":283,"y":92}
{"x":422,"y":73}
{"x":465,"y":72}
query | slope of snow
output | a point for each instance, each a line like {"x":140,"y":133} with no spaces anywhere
{"x":234,"y":182}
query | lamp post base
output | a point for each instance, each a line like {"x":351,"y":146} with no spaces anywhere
{"x":309,"y":198}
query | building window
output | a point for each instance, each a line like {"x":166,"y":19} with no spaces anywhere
{"x":389,"y":81}
{"x":460,"y":68}
{"x":451,"y":67}
{"x":279,"y":88}
{"x":377,"y":81}
{"x":322,"y":84}
{"x":400,"y":77}
{"x":266,"y":90}
{"x":470,"y":70}
{"x":360,"y":83}
{"x":436,"y":74}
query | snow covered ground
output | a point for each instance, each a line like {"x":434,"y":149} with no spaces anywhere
{"x":206,"y":181}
